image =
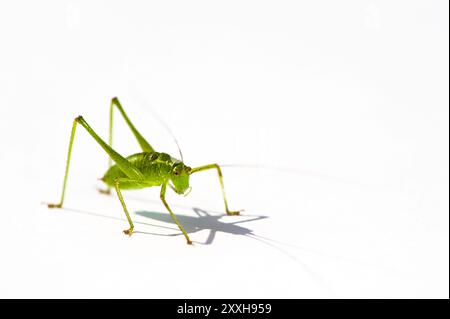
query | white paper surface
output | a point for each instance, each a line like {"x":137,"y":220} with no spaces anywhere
{"x":339,"y":111}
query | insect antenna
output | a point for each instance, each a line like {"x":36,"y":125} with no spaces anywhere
{"x":159,"y":119}
{"x":169,"y":131}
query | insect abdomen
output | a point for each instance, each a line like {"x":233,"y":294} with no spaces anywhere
{"x":155,"y":167}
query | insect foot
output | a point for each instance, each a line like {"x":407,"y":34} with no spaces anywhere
{"x":235,"y":213}
{"x":54,"y":205}
{"x":128,"y":232}
{"x":189,"y":242}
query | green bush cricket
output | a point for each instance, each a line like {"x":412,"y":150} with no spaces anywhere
{"x":141,"y":170}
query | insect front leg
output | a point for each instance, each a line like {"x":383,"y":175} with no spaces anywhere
{"x":219,"y":173}
{"x":163,"y":199}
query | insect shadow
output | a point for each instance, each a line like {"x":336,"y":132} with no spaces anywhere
{"x":203,"y":221}
{"x":206,"y":221}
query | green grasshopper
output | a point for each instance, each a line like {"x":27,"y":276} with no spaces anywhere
{"x":141,"y":170}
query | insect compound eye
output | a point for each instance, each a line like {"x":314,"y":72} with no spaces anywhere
{"x":177,"y":169}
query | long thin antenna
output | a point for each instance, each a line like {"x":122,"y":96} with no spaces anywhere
{"x":164,"y":124}
{"x":158,"y":118}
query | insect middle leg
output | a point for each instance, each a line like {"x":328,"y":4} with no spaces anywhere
{"x":119,"y":194}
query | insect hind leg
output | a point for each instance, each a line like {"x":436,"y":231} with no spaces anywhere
{"x":145,"y":146}
{"x":129,"y":170}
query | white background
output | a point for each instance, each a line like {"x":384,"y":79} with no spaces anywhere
{"x":338,"y":109}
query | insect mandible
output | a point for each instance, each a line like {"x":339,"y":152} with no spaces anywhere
{"x":141,"y":170}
